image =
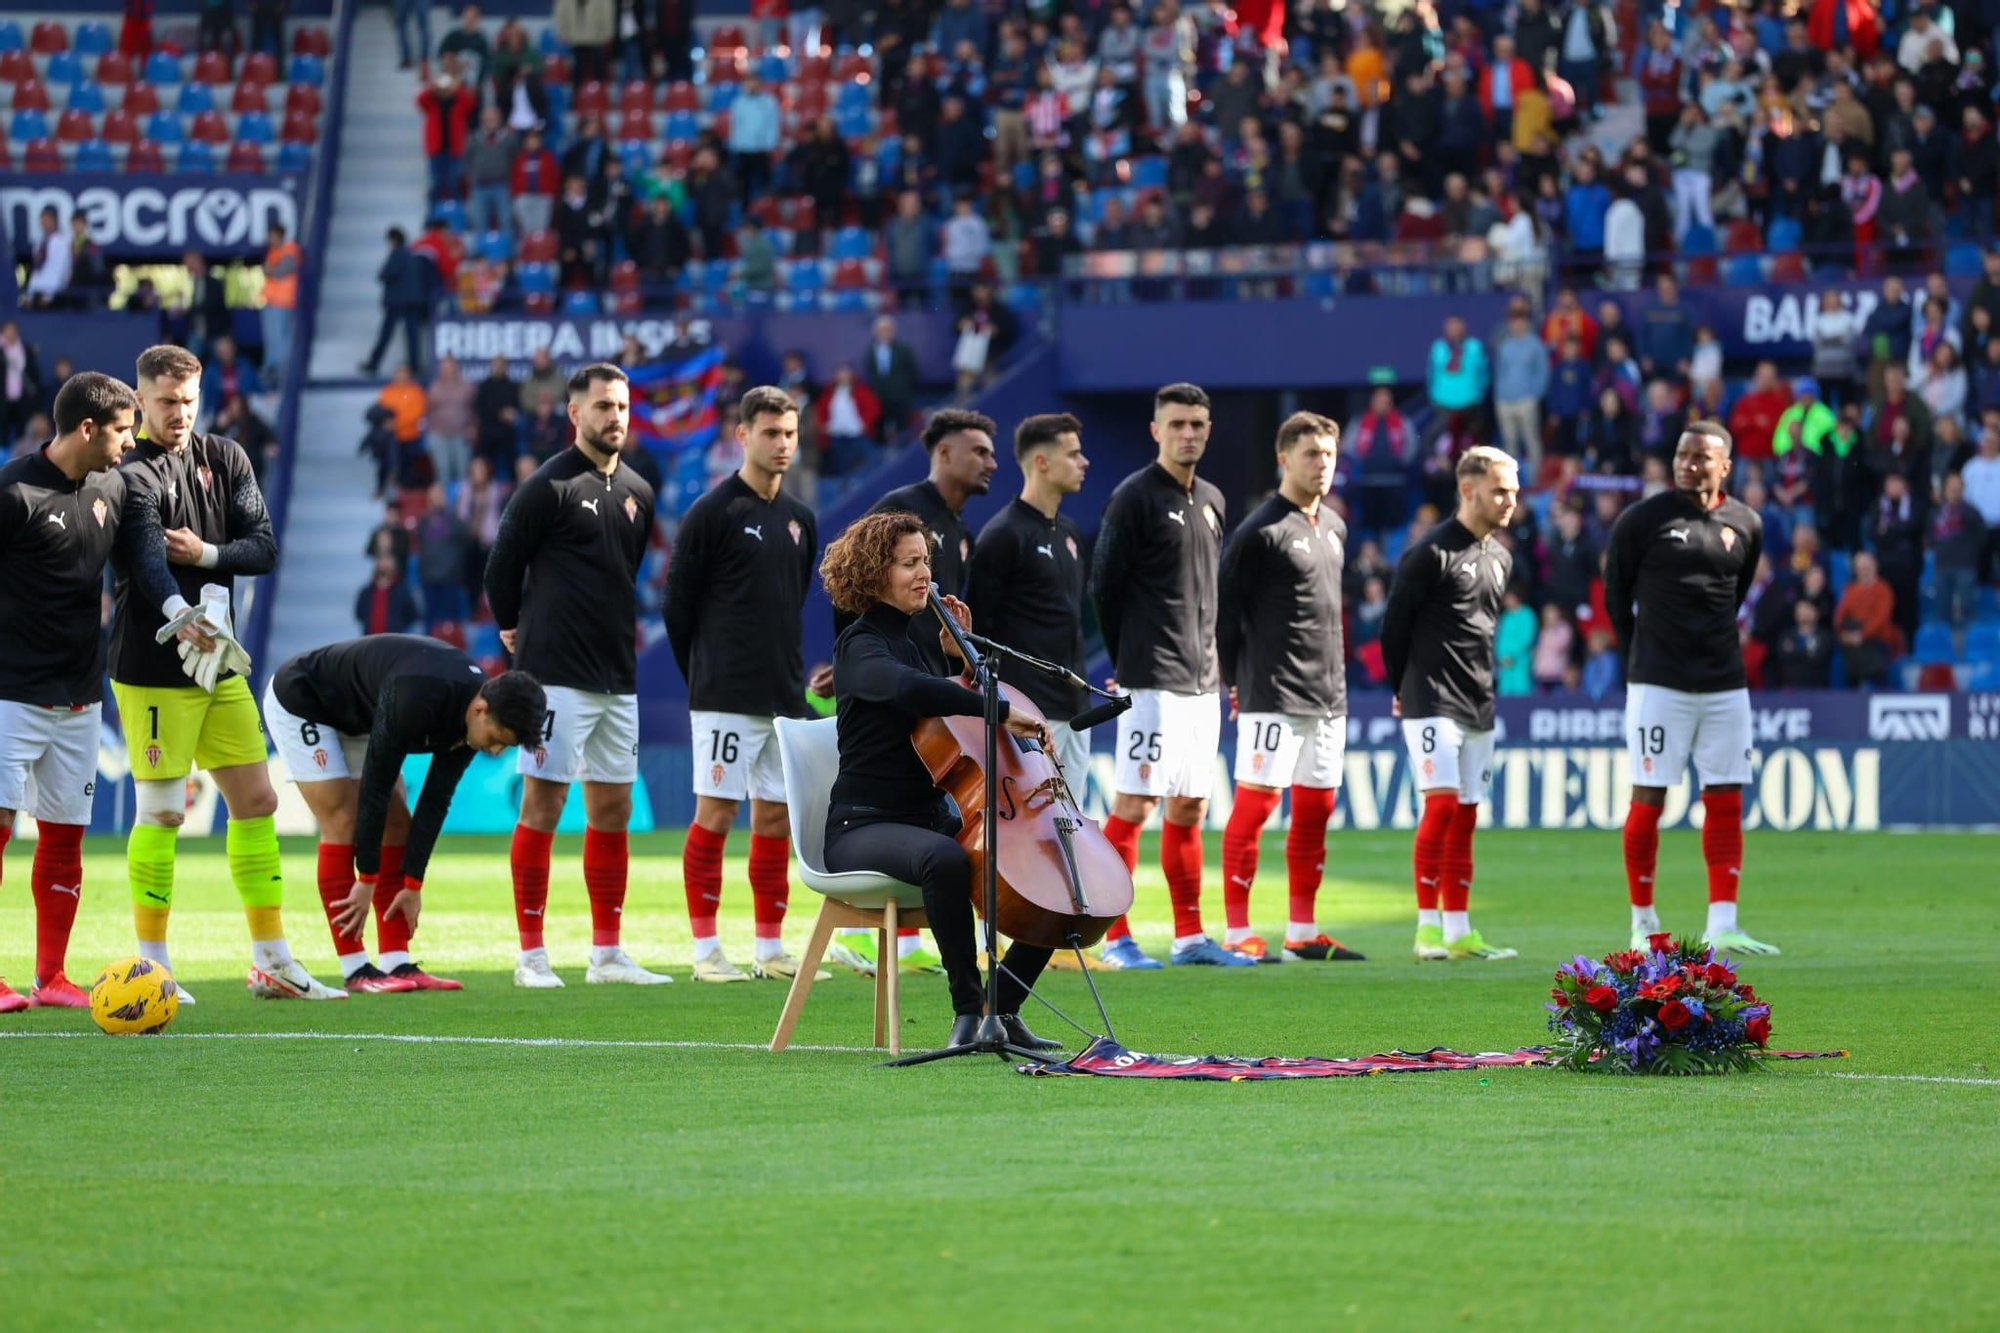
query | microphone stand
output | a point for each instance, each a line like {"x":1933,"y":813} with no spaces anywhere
{"x":991,"y":1037}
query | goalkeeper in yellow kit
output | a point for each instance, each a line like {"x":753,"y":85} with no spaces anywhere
{"x":193,"y":521}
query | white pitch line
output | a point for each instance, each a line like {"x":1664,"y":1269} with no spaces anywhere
{"x":1923,"y":1078}
{"x":428,"y":1039}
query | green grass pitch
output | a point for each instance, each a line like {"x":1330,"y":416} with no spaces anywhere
{"x":197,"y":1181}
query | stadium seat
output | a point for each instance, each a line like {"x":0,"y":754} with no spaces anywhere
{"x":94,"y":155}
{"x":144,"y":158}
{"x":451,"y":213}
{"x":680,"y":96}
{"x":853,"y":96}
{"x":114,"y":68}
{"x":535,"y":276}
{"x":714,"y":274}
{"x":850,"y":243}
{"x":637,"y":157}
{"x":579,"y":302}
{"x":1964,"y":260}
{"x":196,"y":158}
{"x":141,"y":99}
{"x":306,"y":69}
{"x":255,"y":127}
{"x":245,"y":156}
{"x":496,"y":246}
{"x":636,"y":95}
{"x":162,"y":69}
{"x":302,"y":99}
{"x":681,"y":125}
{"x":75,"y":127}
{"x":555,"y":72}
{"x":814,"y":68}
{"x":311,"y":41}
{"x":209,"y":127}
{"x":42,"y":156}
{"x":592,"y":99}
{"x":807,"y":101}
{"x":211,"y":67}
{"x":65,"y":67}
{"x":31,"y":95}
{"x":771,"y":68}
{"x":118,"y":127}
{"x":849,"y":273}
{"x":1982,"y":642}
{"x":1743,"y":271}
{"x":1839,"y":570}
{"x":853,"y":65}
{"x":259,"y":67}
{"x":196,"y":99}
{"x":721,"y":98}
{"x":250,"y":97}
{"x":538,"y":247}
{"x":10,"y":36}
{"x":723,"y":69}
{"x":295,"y":157}
{"x":1701,"y":271}
{"x":48,"y":38}
{"x":633,"y":127}
{"x":549,"y":42}
{"x":1789,"y":266}
{"x":87,"y":98}
{"x":300,"y":128}
{"x":449,"y":631}
{"x":93,"y":38}
{"x":1933,"y":643}
{"x":728,"y":37}
{"x":1785,"y":235}
{"x":16,"y":67}
{"x":28,"y":125}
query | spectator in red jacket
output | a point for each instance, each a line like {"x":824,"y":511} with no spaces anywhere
{"x":1501,"y":85}
{"x":447,"y":106}
{"x":536,"y":180}
{"x":1755,"y":417}
{"x":847,"y":414}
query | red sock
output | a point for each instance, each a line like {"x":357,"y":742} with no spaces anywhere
{"x":701,"y":878}
{"x":908,"y":932}
{"x":606,"y":859}
{"x":391,"y":936}
{"x":1122,"y":834}
{"x":1428,"y":851}
{"x":528,"y":858}
{"x":1722,"y":842}
{"x":1455,"y":872}
{"x":1180,"y":858}
{"x":1239,"y":851}
{"x":1642,"y":851}
{"x":57,"y":881}
{"x":770,"y":883}
{"x":336,"y":880}
{"x":1305,"y":849}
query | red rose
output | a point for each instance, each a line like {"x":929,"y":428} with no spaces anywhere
{"x":1561,"y":999}
{"x":1601,"y":998}
{"x":1718,"y":975}
{"x":1660,"y":943}
{"x":1674,"y":1016}
{"x":1747,"y":993}
{"x":1757,"y":1029}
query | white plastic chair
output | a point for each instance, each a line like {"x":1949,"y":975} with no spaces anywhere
{"x":811,"y":757}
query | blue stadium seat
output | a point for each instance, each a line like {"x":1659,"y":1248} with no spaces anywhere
{"x":803,"y":276}
{"x":549,"y":43}
{"x":1024,"y":176}
{"x":859,"y":96}
{"x":482,"y":639}
{"x":851,"y":243}
{"x":451,"y":213}
{"x":715,"y":275}
{"x":195,"y":99}
{"x":254,"y":127}
{"x":1784,"y":236}
{"x":65,"y":67}
{"x":772,"y":68}
{"x":536,"y":278}
{"x":11,"y":38}
{"x":681,"y":126}
{"x":1982,"y":642}
{"x":295,"y":157}
{"x":850,"y":301}
{"x":579,"y":302}
{"x":93,"y":155}
{"x":1839,"y":569}
{"x":1743,"y":271}
{"x":854,"y":122}
{"x":91,"y":39}
{"x":496,"y":247}
{"x":1933,"y":643}
{"x":1982,"y":675}
{"x":164,"y":127}
{"x":637,"y":157}
{"x":162,"y":69}
{"x":1699,"y":240}
{"x":27,"y":126}
{"x":1149,"y":173}
{"x":302,"y":69}
{"x":720,"y":97}
{"x":1964,"y":260}
{"x":196,"y":159}
{"x":87,"y":97}
{"x":1024,"y":299}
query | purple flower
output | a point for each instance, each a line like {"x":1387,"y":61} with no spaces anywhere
{"x":1755,"y":1011}
{"x":1584,"y":968}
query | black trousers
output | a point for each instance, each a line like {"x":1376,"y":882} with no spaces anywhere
{"x":934,"y":862}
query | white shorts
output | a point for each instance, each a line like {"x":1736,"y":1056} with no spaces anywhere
{"x":48,"y":760}
{"x":1444,"y":754}
{"x":586,"y":736}
{"x":312,"y":751}
{"x":1665,"y":728}
{"x":1072,"y":755}
{"x":736,"y":757}
{"x":1280,"y":750}
{"x":1167,"y":744}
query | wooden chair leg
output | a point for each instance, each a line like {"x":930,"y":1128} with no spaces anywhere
{"x":795,"y":1002}
{"x":890,"y":922}
{"x":885,"y":945}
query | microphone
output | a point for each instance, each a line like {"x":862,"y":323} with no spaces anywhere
{"x":1104,"y":712}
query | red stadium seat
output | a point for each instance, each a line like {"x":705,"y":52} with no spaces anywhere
{"x":250,"y":97}
{"x":678,"y":154}
{"x":853,"y":68}
{"x":119,"y":127}
{"x":1937,"y":676}
{"x":75,"y":127}
{"x":539,"y":303}
{"x":48,"y":38}
{"x":42,"y":156}
{"x":141,"y":99}
{"x":885,"y":124}
{"x":6,"y":158}
{"x":260,"y":67}
{"x":31,"y":95}
{"x":808,"y":99}
{"x":625,"y":276}
{"x":555,"y":69}
{"x":1743,"y":238}
{"x":680,"y":96}
{"x":311,"y":41}
{"x":725,"y":69}
{"x":764,"y":211}
{"x":803,"y":214}
{"x":145,"y":157}
{"x":211,"y":67}
{"x":209,"y":127}
{"x":728,"y":37}
{"x":814,"y":69}
{"x":538,"y":247}
{"x":302,"y":97}
{"x":1789,"y":267}
{"x":451,"y":632}
{"x":850,"y":274}
{"x":1702,"y":271}
{"x":633,"y":125}
{"x":114,"y":68}
{"x":299,"y":128}
{"x":636,"y":96}
{"x":592,"y":99}
{"x":247,"y":157}
{"x":16,"y":67}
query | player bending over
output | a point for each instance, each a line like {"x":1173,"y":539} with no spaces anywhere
{"x":59,"y":512}
{"x":344,"y":718}
{"x":1677,"y":568}
{"x":1278,"y":636}
{"x":1437,"y":642}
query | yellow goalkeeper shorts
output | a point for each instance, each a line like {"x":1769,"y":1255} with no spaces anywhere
{"x":170,"y":730}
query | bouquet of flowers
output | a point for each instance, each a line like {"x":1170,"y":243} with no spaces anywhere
{"x":1673,"y":1009}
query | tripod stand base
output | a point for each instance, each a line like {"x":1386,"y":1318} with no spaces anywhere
{"x":991,"y":1039}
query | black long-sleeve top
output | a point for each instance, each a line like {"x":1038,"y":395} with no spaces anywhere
{"x":1674,"y":575}
{"x":1026,"y":591}
{"x":562,"y":573}
{"x":1279,"y":635}
{"x":208,"y":487}
{"x":1437,"y":632}
{"x":1153,"y":579}
{"x":951,"y":547}
{"x":408,"y":695}
{"x":739,"y":575}
{"x":55,"y":535}
{"x":884,"y":689}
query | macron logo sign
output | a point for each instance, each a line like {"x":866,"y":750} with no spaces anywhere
{"x":1909,"y":717}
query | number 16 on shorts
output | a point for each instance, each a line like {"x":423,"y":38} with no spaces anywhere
{"x":736,"y":757}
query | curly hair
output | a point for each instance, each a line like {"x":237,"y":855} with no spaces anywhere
{"x":857,"y":560}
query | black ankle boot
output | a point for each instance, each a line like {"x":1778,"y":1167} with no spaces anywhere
{"x":1019,"y":1034}
{"x":964,"y":1029}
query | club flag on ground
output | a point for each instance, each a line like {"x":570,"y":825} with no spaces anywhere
{"x":1107,"y":1058}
